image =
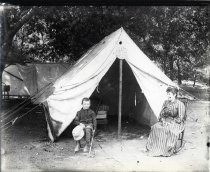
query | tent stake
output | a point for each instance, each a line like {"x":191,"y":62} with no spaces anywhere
{"x":120,"y":99}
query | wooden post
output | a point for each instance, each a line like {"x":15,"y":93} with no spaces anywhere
{"x":120,"y":98}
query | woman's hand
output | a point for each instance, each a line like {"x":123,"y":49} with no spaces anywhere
{"x":165,"y":123}
{"x":178,"y":120}
{"x":162,"y":121}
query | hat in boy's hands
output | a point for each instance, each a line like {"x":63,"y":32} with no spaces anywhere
{"x":78,"y":132}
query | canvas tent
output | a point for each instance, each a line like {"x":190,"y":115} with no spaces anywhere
{"x":85,"y":76}
{"x":31,"y":81}
{"x":27,"y":80}
{"x":12,"y":78}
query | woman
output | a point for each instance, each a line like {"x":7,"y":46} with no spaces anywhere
{"x":165,"y":133}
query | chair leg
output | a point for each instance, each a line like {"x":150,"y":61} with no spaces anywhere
{"x":182,"y":137}
{"x":91,"y":142}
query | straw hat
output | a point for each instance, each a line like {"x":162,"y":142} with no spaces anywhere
{"x":78,"y":132}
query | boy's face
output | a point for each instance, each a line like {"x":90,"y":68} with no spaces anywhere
{"x":85,"y":104}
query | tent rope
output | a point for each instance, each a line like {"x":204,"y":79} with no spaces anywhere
{"x":14,"y":110}
{"x":14,"y":75}
{"x":16,"y":106}
{"x":22,"y":105}
{"x":190,"y":94}
{"x":26,"y":101}
{"x":12,"y":122}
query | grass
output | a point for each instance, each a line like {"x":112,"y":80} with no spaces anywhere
{"x":200,"y":90}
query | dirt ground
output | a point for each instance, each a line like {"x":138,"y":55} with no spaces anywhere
{"x":29,"y":149}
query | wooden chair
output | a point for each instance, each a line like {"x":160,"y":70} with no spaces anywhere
{"x":181,"y":135}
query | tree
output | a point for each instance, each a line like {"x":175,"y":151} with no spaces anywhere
{"x":174,"y":37}
{"x":13,"y":18}
{"x":66,"y":33}
{"x":179,"y":37}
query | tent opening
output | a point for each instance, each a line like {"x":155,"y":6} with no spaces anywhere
{"x":135,"y":108}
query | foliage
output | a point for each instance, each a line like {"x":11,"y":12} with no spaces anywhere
{"x":175,"y":37}
{"x":178,"y":36}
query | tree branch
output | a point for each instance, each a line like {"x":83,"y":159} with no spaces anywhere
{"x":22,"y":21}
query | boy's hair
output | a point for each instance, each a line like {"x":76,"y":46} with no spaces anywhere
{"x":173,"y":90}
{"x":85,"y":99}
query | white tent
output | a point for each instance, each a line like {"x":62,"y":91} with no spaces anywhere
{"x":82,"y":79}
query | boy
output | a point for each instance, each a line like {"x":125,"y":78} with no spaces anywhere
{"x":87,"y":119}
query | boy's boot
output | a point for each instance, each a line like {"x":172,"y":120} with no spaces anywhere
{"x":77,"y":146}
{"x":87,"y":146}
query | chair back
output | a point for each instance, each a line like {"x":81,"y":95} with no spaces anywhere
{"x":186,"y":103}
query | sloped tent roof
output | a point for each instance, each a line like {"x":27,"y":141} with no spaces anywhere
{"x":29,"y":79}
{"x":37,"y":76}
{"x":11,"y":76}
{"x":82,"y":79}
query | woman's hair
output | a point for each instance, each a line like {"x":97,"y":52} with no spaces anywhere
{"x":173,"y":90}
{"x":85,"y":99}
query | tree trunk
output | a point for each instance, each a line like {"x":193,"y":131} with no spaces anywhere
{"x":165,"y":61}
{"x":179,"y":76}
{"x":9,"y":34}
{"x":171,"y":62}
{"x":22,"y":21}
{"x":1,"y":37}
{"x":164,"y":66}
{"x":195,"y":76}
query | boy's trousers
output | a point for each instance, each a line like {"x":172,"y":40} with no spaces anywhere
{"x":88,"y":132}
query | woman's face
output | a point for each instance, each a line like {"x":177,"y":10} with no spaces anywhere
{"x":171,"y":96}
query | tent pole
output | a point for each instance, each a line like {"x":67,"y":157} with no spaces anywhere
{"x":120,"y":98}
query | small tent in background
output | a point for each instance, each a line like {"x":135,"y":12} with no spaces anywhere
{"x":29,"y":79}
{"x":37,"y":76}
{"x":12,"y":79}
{"x":146,"y":83}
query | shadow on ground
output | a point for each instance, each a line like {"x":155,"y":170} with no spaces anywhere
{"x":28,"y":148}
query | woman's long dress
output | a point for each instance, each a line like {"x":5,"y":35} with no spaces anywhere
{"x":164,"y":134}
